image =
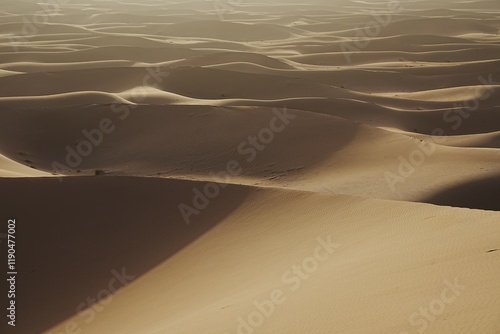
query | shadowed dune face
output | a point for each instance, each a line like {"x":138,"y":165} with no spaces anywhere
{"x":82,"y":230}
{"x":479,"y":194}
{"x":313,"y":119}
{"x":176,"y":141}
{"x":217,"y":278}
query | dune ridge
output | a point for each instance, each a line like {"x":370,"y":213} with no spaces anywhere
{"x":206,"y":147}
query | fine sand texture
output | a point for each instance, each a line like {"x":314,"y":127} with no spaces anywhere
{"x":251,"y":167}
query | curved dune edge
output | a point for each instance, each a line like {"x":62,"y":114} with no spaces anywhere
{"x":307,"y":151}
{"x":217,"y":279}
{"x":10,"y":168}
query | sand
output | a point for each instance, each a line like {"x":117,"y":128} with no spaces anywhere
{"x":236,"y":167}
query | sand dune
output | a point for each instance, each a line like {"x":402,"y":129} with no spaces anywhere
{"x":10,"y":168}
{"x":206,"y":147}
{"x":66,"y":99}
{"x":168,"y":258}
{"x":336,"y":165}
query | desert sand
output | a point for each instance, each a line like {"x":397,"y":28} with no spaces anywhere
{"x":247,"y":167}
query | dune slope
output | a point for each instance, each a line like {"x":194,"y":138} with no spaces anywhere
{"x":229,"y":167}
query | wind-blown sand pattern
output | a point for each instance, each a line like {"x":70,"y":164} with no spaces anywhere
{"x":253,"y":167}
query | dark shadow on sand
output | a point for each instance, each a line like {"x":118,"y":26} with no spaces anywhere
{"x":72,"y":235}
{"x":480,"y":194}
